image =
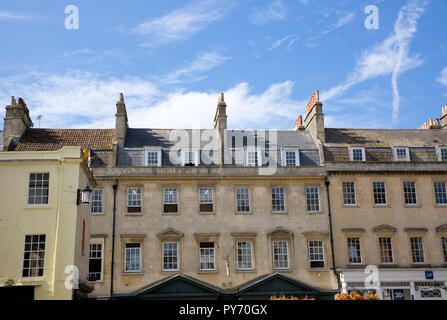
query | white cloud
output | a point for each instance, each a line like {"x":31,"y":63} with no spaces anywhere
{"x":341,"y":22}
{"x":390,"y":57}
{"x":442,"y":79}
{"x":8,"y":15}
{"x":87,"y":100}
{"x":273,"y":12}
{"x":279,"y":42}
{"x":205,"y":61}
{"x":182,"y":23}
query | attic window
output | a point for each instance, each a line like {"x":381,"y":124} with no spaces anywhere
{"x":442,"y":154}
{"x":152,"y":157}
{"x":357,"y":154}
{"x":190,"y":157}
{"x":401,"y":154}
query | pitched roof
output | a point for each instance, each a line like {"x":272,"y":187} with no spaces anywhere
{"x":54,"y":139}
{"x":385,"y":138}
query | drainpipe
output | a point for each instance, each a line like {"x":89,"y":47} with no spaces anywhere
{"x":115,"y":187}
{"x":327,"y":182}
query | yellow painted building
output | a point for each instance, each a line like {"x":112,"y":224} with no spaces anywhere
{"x":44,"y":232}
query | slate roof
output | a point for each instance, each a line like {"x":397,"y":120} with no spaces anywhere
{"x":378,"y":143}
{"x":54,"y":139}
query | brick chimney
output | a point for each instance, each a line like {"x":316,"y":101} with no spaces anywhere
{"x":314,"y":120}
{"x":299,"y":124}
{"x":17,"y":120}
{"x":121,"y":122}
{"x":444,"y":117}
{"x":430,"y":124}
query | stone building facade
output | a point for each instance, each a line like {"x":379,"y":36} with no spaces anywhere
{"x":223,"y":214}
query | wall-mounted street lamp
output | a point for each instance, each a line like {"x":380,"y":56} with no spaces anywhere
{"x":84,"y":195}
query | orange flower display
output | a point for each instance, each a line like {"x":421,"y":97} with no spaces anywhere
{"x":353,"y":295}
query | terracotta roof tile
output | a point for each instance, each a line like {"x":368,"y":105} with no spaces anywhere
{"x":54,"y":139}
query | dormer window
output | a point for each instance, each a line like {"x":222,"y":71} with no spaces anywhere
{"x":401,"y":154}
{"x":190,"y":158}
{"x":253,"y":158}
{"x":442,"y":154}
{"x":357,"y":154}
{"x":290,"y":157}
{"x":152,"y":157}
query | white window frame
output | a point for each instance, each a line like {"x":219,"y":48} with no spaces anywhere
{"x":407,"y":153}
{"x":360,"y":250}
{"x":196,"y":156}
{"x":287,"y":255}
{"x":249,"y":202}
{"x":135,"y":206}
{"x":437,"y":191}
{"x":381,"y":251}
{"x":314,"y":254}
{"x":146,"y":157}
{"x":213,"y":261}
{"x":351,"y":154}
{"x":344,"y":190}
{"x":176,"y":256}
{"x":422,"y":247}
{"x":283,"y":200}
{"x":35,"y":189}
{"x":385,"y":194}
{"x":439,"y":151}
{"x":258,"y":155}
{"x":251,"y":255}
{"x":29,"y":268}
{"x":102,"y":201}
{"x":125,"y":258}
{"x":319,"y":199}
{"x":284,"y":151}
{"x":101,"y":242}
{"x":415,"y":193}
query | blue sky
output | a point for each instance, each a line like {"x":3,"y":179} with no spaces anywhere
{"x":172,"y":58}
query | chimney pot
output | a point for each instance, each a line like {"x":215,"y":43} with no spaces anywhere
{"x":221,"y":97}
{"x":121,"y":99}
{"x":13,"y":101}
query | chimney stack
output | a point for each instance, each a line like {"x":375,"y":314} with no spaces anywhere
{"x":220,"y":119}
{"x":299,"y":124}
{"x":444,"y":117}
{"x":430,"y":124}
{"x":121,"y":122}
{"x":314,"y":120}
{"x":17,"y":120}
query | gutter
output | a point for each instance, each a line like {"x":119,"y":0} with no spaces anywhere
{"x":115,"y":187}
{"x":337,"y":275}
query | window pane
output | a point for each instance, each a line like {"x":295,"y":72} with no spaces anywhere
{"x":349,"y":193}
{"x":242,"y":200}
{"x":95,"y":262}
{"x":38,"y":188}
{"x":386,"y":250}
{"x":97,"y":201}
{"x":134,"y":197}
{"x":152,"y":158}
{"x":34,"y":256}
{"x":278,"y":201}
{"x":133,"y":256}
{"x":313,"y":199}
{"x":280,"y":255}
{"x":290,"y":158}
{"x":244,"y":255}
{"x":410,"y":193}
{"x":207,"y":261}
{"x":379,"y":193}
{"x":170,"y":254}
{"x":440,"y":193}
{"x":316,"y":254}
{"x":170,"y":195}
{"x":417,"y":250}
{"x":206,"y":195}
{"x":354,"y":250}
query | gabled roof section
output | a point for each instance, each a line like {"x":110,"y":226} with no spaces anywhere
{"x":55,"y":139}
{"x":178,"y":285}
{"x":276,"y":283}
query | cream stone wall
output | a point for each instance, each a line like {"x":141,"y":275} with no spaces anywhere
{"x":419,"y":220}
{"x":224,"y":226}
{"x":60,"y":220}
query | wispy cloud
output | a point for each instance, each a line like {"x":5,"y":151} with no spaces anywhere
{"x":8,"y":15}
{"x":182,"y":23}
{"x":442,"y":78}
{"x":87,"y":100}
{"x":390,"y":57}
{"x":341,"y":22}
{"x":273,"y":12}
{"x":205,"y":61}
